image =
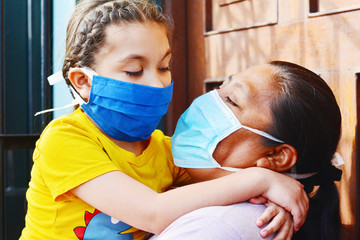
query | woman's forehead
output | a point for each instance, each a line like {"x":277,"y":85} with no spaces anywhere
{"x":255,"y":80}
{"x":251,"y":90}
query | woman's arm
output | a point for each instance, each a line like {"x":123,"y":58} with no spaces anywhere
{"x":125,"y":199}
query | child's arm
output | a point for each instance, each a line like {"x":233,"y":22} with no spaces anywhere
{"x":281,"y":220}
{"x":206,"y":174}
{"x":122,"y":197}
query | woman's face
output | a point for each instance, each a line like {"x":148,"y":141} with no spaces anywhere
{"x":248,"y":95}
{"x":137,"y":53}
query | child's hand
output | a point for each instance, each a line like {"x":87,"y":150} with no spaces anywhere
{"x":289,"y":194}
{"x":281,"y":222}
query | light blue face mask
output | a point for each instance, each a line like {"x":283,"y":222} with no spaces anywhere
{"x":201,"y":127}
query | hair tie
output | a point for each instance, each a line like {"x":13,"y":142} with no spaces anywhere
{"x":326,"y":175}
{"x":329,"y":174}
{"x":337,"y":160}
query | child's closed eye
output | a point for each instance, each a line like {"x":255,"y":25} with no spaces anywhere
{"x":165,"y":69}
{"x":135,"y":74}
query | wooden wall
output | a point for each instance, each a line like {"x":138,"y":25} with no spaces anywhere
{"x":216,"y":38}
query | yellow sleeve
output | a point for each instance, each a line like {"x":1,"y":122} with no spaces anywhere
{"x":68,"y":155}
{"x":181,"y":177}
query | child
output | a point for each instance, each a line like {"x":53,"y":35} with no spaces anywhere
{"x":102,"y":172}
{"x":220,"y":132}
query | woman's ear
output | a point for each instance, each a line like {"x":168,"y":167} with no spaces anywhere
{"x":280,"y":159}
{"x":80,"y":81}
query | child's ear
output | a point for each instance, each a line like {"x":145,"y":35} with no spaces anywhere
{"x":279,"y":159}
{"x":80,"y":81}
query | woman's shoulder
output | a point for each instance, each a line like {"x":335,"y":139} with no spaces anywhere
{"x":237,"y":221}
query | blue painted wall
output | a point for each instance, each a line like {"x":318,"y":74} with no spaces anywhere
{"x":62,"y":12}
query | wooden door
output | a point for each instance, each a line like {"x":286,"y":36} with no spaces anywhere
{"x":215,"y":38}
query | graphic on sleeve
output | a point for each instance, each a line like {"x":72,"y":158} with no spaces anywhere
{"x":102,"y":226}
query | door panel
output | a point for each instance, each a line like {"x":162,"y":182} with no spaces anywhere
{"x":228,"y":15}
{"x":223,"y":37}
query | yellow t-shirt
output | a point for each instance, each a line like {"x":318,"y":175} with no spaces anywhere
{"x":71,"y":151}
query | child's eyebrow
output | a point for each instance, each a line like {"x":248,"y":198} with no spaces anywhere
{"x":168,"y":52}
{"x":230,"y":77}
{"x":143,"y":58}
{"x":133,"y":57}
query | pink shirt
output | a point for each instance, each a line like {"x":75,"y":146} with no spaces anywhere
{"x":234,"y":222}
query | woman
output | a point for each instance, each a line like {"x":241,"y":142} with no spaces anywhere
{"x":278,"y":116}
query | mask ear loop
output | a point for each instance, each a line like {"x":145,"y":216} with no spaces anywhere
{"x":230,"y":169}
{"x":336,"y":161}
{"x":261,"y":133}
{"x":88,"y":72}
{"x":232,"y":116}
{"x":58,"y":77}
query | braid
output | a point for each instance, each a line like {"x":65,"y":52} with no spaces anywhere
{"x":86,"y":29}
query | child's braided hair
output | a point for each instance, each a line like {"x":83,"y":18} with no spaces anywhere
{"x":86,"y":28}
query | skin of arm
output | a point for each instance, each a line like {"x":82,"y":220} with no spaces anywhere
{"x":205,"y":174}
{"x":125,"y":199}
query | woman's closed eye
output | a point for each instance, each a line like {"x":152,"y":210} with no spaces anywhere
{"x":228,"y":99}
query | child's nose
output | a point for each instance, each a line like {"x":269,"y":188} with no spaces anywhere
{"x":156,"y":83}
{"x":157,"y":80}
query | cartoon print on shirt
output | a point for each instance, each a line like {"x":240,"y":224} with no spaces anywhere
{"x":102,"y":226}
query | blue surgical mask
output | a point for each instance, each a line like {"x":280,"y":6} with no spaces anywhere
{"x":201,"y":127}
{"x":126,"y":111}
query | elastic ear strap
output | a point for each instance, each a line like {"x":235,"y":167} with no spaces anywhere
{"x":230,"y":169}
{"x":89,"y":72}
{"x":300,"y":175}
{"x":264,"y":134}
{"x":78,"y":99}
{"x":336,"y":161}
{"x":55,"y":109}
{"x":55,"y":78}
{"x":58,"y":77}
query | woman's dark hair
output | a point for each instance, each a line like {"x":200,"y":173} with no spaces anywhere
{"x":307,"y":116}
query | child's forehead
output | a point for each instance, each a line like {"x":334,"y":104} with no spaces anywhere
{"x":134,"y":32}
{"x":144,"y":42}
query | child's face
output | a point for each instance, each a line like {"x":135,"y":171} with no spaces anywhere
{"x":135,"y":52}
{"x":248,"y":95}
